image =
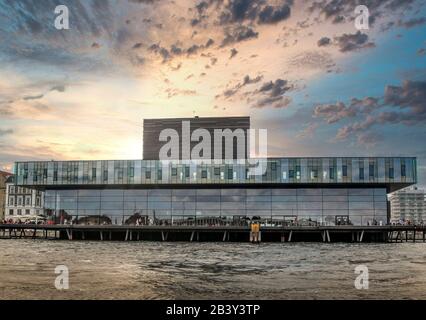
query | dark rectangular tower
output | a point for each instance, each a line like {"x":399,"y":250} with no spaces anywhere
{"x":153,"y":127}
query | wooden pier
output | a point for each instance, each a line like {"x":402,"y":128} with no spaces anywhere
{"x":215,"y":233}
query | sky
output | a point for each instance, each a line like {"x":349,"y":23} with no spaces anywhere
{"x":300,"y":69}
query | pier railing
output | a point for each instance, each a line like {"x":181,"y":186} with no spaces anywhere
{"x":194,"y":220}
{"x":343,"y":233}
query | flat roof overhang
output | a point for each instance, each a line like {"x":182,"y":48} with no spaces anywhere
{"x":390,"y":187}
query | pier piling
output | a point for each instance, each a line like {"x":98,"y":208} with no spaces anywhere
{"x":362,"y":236}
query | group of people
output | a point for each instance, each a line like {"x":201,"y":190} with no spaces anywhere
{"x":403,"y":222}
{"x":19,"y":221}
{"x":374,"y":223}
{"x":10,"y":221}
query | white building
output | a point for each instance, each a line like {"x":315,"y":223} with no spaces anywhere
{"x":22,"y":203}
{"x":3,"y":178}
{"x":408,"y":206}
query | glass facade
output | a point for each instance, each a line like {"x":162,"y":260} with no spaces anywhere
{"x":278,"y":171}
{"x":302,"y":191}
{"x":305,"y":206}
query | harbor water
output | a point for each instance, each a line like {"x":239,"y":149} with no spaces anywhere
{"x":182,"y":270}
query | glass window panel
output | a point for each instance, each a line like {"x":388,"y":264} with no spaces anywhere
{"x":380,"y":191}
{"x":48,"y":193}
{"x":112,"y":198}
{"x":135,"y":205}
{"x":159,"y":192}
{"x":258,"y":198}
{"x":135,"y":198}
{"x":66,"y":205}
{"x":380,"y":212}
{"x":309,"y":213}
{"x":190,"y":205}
{"x":360,"y":192}
{"x":284,"y":205}
{"x":380,"y":205}
{"x":135,"y":193}
{"x":403,"y":170}
{"x":309,"y":198}
{"x":369,"y":198}
{"x":67,"y":193}
{"x":159,"y":205}
{"x":87,"y":212}
{"x":258,"y":205}
{"x":371,"y":170}
{"x":284,"y":198}
{"x":356,"y":220}
{"x":163,"y":213}
{"x":178,"y":205}
{"x":391,"y":173}
{"x":232,"y":213}
{"x":335,"y":198}
{"x":283,"y":192}
{"x":360,"y":212}
{"x":336,"y":212}
{"x":367,"y":220}
{"x":89,"y":199}
{"x":208,"y":198}
{"x":89,"y":205}
{"x":335,"y":192}
{"x":361,"y":173}
{"x":283,"y":212}
{"x":111,"y":205}
{"x":335,"y":205}
{"x":233,"y":205}
{"x":208,"y":205}
{"x":208,"y":192}
{"x":233,"y":192}
{"x":89,"y":193}
{"x":208,"y":213}
{"x":184,"y":192}
{"x":380,"y":198}
{"x":382,"y":219}
{"x":111,"y":192}
{"x":361,"y":205}
{"x":309,"y":192}
{"x":309,"y":205}
{"x":258,"y":192}
{"x":159,"y":198}
{"x":184,"y":198}
{"x":252,"y":213}
{"x":233,"y":198}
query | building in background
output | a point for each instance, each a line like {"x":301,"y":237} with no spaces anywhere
{"x":3,"y":177}
{"x":153,"y":127}
{"x":23,"y":203}
{"x":408,"y":206}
